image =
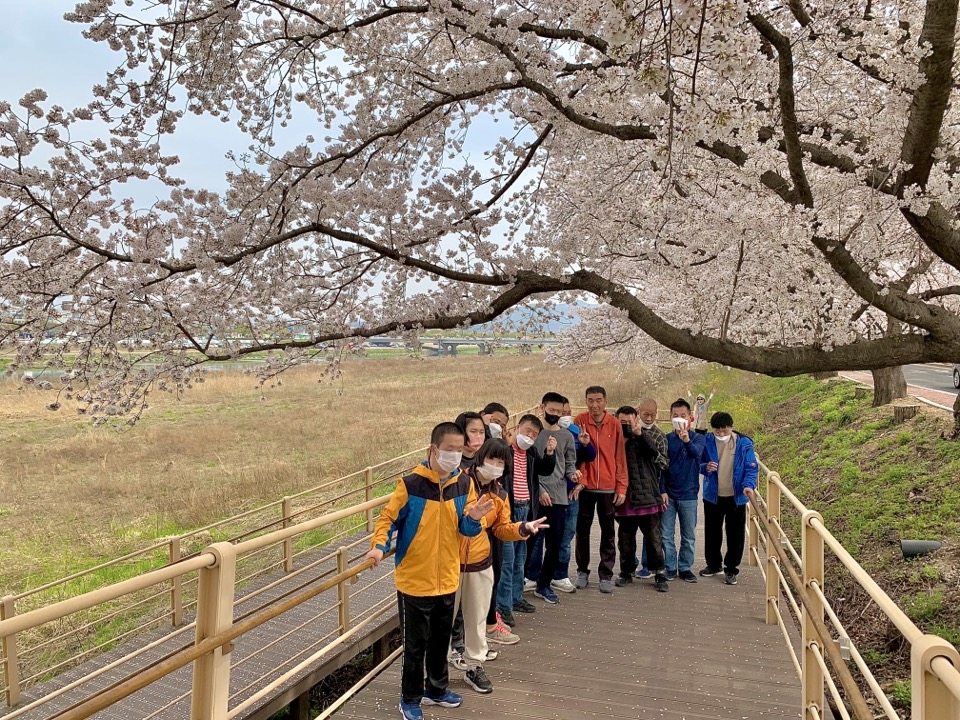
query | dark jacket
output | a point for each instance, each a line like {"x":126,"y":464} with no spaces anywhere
{"x":536,"y":465}
{"x":646,"y":457}
{"x":681,"y":481}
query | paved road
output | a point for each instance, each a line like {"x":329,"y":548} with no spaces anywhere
{"x":932,"y":377}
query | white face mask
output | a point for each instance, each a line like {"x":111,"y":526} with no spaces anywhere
{"x":524,"y":443}
{"x":491,"y":472}
{"x":722,"y":438}
{"x":495,"y":430}
{"x":566,"y":421}
{"x":646,"y":426}
{"x":449,"y":460}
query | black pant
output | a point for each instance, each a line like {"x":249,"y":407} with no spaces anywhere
{"x":552,"y":537}
{"x":649,"y":527}
{"x":425,"y":625}
{"x":725,"y":512}
{"x":496,"y":546}
{"x":602,"y":504}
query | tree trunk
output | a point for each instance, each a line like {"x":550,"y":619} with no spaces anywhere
{"x":825,"y":375}
{"x":888,"y":385}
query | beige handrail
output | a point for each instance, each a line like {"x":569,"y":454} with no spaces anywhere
{"x":935,"y":662}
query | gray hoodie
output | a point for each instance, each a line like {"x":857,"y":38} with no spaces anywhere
{"x":566,"y":453}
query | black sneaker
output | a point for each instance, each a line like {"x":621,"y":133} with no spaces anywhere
{"x":687,"y":576}
{"x":478,"y":680}
{"x":661,"y":585}
{"x":507,"y":617}
{"x":710,"y":572}
{"x":670,"y":575}
{"x":730,"y":578}
{"x":524,"y":607}
{"x":623,"y":580}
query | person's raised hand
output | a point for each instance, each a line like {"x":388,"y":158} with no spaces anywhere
{"x":509,"y":435}
{"x":480,"y":508}
{"x":551,"y":445}
{"x":535,"y":526}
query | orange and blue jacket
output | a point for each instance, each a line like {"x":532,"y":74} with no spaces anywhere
{"x":426,"y":517}
{"x":475,"y":552}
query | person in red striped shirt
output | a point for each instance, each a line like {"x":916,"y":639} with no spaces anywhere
{"x":523,"y":490}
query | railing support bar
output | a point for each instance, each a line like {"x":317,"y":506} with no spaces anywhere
{"x":931,"y":699}
{"x":211,"y":672}
{"x":286,"y":508}
{"x":176,"y":587}
{"x":368,"y":495}
{"x":773,"y":586}
{"x":11,"y":661}
{"x":812,"y":555}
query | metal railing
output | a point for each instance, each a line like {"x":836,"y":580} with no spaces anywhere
{"x":827,"y":653}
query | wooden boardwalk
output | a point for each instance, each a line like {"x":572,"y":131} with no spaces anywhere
{"x":257,"y":658}
{"x":700,"y":651}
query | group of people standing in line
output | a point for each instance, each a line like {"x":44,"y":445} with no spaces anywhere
{"x":493,"y":511}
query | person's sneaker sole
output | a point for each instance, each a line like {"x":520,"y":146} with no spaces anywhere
{"x":441,"y":703}
{"x":499,"y":640}
{"x":546,"y":598}
{"x":709,"y":572}
{"x":479,"y":688}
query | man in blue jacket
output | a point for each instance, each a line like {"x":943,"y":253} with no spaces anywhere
{"x":729,"y":481}
{"x":681,"y":483}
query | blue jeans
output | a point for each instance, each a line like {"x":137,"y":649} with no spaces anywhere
{"x":510,"y":589}
{"x":569,"y":530}
{"x":687,"y":510}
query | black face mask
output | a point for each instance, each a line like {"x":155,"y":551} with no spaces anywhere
{"x":551,"y":419}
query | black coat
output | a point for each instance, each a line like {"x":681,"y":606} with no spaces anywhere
{"x":643,"y":472}
{"x":537,"y":465}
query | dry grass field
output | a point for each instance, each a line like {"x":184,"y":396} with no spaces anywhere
{"x":72,"y":495}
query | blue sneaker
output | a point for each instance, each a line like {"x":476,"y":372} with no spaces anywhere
{"x":547,"y":595}
{"x":448,"y":700}
{"x":643,"y":573}
{"x":411,"y":711}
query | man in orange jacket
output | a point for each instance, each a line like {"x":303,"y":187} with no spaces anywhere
{"x":602,"y":487}
{"x":429,"y":510}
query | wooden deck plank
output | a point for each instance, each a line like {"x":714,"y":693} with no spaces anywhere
{"x":699,"y":652}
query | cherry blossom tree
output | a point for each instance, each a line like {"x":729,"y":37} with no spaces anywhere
{"x":752,"y":183}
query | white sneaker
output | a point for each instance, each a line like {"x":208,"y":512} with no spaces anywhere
{"x":563,"y":585}
{"x":529,"y":585}
{"x":456,"y":659}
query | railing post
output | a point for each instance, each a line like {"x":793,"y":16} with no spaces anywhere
{"x":176,"y":587}
{"x":812,"y":556}
{"x":930,"y":698}
{"x":368,"y":493}
{"x":773,"y":561}
{"x":215,"y":596}
{"x":286,"y":507}
{"x":11,"y":661}
{"x":753,"y":536}
{"x":343,"y":592}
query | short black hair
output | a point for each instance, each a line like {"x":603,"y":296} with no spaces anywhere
{"x":626,"y":410}
{"x":532,"y":419}
{"x":721,"y":420}
{"x":552,"y":397}
{"x":494,"y":407}
{"x":680,"y":402}
{"x":594,"y":389}
{"x":496,"y":449}
{"x":464,"y":418}
{"x":442,"y":430}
